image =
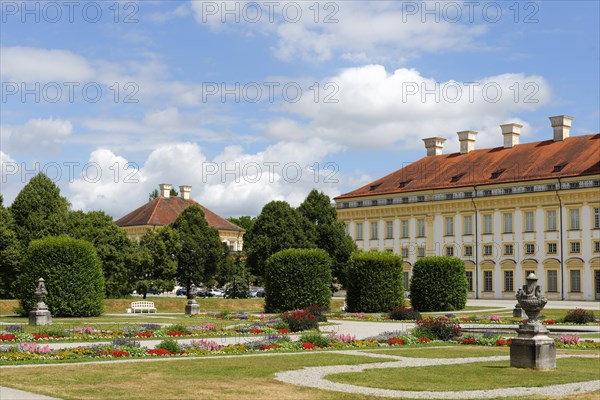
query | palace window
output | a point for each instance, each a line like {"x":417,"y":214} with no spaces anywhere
{"x":508,"y":281}
{"x":551,"y":219}
{"x":596,"y":247}
{"x":508,"y":249}
{"x":450,"y":251}
{"x":421,"y":252}
{"x":575,"y":247}
{"x":374,"y":230}
{"x":468,"y":251}
{"x":552,"y":281}
{"x":488,"y":282}
{"x":487,"y":249}
{"x":552,"y":248}
{"x":529,"y":222}
{"x":468,"y":225}
{"x":596,"y":218}
{"x":575,"y":275}
{"x":405,"y":253}
{"x":420,"y":228}
{"x":529,"y":248}
{"x":389,"y":229}
{"x":574,"y":218}
{"x":487,"y":224}
{"x":404,"y":229}
{"x":449,"y":226}
{"x":359,"y":231}
{"x":469,"y":280}
{"x":508,"y":223}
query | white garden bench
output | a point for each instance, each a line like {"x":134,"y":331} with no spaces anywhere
{"x":142,"y":306}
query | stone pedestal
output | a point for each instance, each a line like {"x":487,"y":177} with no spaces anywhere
{"x":518,"y":311}
{"x":533,"y":348}
{"x":192,"y":308}
{"x":40,"y":317}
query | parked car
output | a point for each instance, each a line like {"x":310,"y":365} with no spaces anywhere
{"x":260,"y":293}
{"x":181,"y":292}
{"x":203,"y":293}
{"x":152,"y":292}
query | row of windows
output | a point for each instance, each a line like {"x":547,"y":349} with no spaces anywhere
{"x":468,"y":194}
{"x":509,"y":249}
{"x":551,"y":224}
{"x":551,"y":280}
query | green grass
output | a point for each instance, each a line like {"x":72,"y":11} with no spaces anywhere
{"x":174,"y":305}
{"x":223,"y":379}
{"x":446,"y":352}
{"x":475,"y":376}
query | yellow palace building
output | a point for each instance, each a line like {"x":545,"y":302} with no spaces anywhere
{"x":506,"y":211}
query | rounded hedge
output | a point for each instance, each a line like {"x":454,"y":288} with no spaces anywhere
{"x":73,"y":275}
{"x":438,"y":284}
{"x":374,"y":282}
{"x":296,"y":279}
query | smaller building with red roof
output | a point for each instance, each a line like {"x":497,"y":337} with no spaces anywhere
{"x":165,"y":209}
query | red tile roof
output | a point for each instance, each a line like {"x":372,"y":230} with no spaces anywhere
{"x":578,"y":156}
{"x":163,"y":211}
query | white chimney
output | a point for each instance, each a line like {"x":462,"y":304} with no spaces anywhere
{"x":434,"y":145}
{"x":185,"y":192}
{"x":165,"y":190}
{"x":562,"y":126}
{"x":511,"y":133}
{"x":467,"y":141}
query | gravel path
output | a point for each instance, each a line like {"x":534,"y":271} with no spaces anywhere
{"x":315,"y":377}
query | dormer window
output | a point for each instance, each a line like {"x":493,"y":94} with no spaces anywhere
{"x":559,"y":167}
{"x":457,"y":177}
{"x":373,"y":187}
{"x":496,"y":174}
{"x":405,"y":183}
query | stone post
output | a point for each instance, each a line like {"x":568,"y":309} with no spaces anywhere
{"x":40,"y":315}
{"x":192,"y":308}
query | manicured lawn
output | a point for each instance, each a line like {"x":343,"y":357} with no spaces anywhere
{"x":175,"y":305}
{"x":475,"y":376}
{"x":446,"y":352}
{"x":223,"y":379}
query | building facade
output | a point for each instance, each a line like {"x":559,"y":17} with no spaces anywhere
{"x":505,"y":211}
{"x":165,"y":209}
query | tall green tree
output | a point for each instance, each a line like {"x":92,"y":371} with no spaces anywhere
{"x":330,"y":233}
{"x":39,"y":210}
{"x":113,"y":247}
{"x":202,"y":251}
{"x":278,"y":227}
{"x":245,"y":222}
{"x":10,"y":253}
{"x":157,"y":260}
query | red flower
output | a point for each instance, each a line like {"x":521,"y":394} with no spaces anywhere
{"x":144,"y":334}
{"x":159,"y":352}
{"x":549,"y":322}
{"x":469,"y":340}
{"x":176,"y":333}
{"x":283,"y":331}
{"x":308,"y":345}
{"x":424,"y":340}
{"x":255,"y":331}
{"x":395,"y":341}
{"x":38,"y":336}
{"x":8,"y":336}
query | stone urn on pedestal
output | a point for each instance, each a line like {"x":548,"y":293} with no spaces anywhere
{"x":532,"y":348}
{"x":40,"y":315}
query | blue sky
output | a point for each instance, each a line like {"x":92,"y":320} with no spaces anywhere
{"x":250,"y":102}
